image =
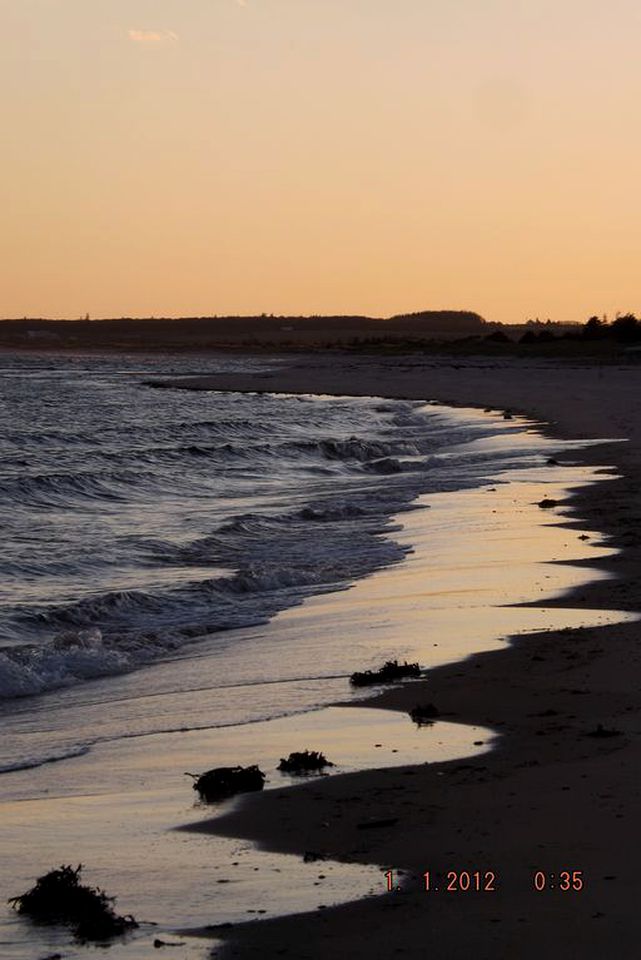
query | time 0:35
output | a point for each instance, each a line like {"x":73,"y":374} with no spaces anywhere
{"x":564,"y":880}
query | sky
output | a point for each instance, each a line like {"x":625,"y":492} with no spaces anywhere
{"x":200,"y":157}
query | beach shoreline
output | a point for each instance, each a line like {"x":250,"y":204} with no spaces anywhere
{"x":549,"y":798}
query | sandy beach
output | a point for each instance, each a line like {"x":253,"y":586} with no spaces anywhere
{"x":320,"y":355}
{"x":548,"y":798}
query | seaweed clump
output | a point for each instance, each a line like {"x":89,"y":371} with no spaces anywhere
{"x":424,"y":714}
{"x":391,"y":671}
{"x":224,"y":782}
{"x":59,"y":897}
{"x":305,"y":761}
{"x":603,"y":732}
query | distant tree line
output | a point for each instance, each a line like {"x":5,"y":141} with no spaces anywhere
{"x":626,"y":328}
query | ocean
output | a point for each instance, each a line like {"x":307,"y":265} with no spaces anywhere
{"x":182,"y":572}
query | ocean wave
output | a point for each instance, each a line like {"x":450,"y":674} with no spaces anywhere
{"x":72,"y":657}
{"x":39,"y":760}
{"x":118,"y":631}
{"x":356,"y":448}
{"x":325,"y":514}
{"x":214,"y":603}
{"x":386,"y":466}
{"x":139,"y":432}
{"x":32,"y":669}
{"x":139,"y":466}
{"x":47,"y":488}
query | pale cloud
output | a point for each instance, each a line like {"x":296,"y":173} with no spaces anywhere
{"x":153,"y":36}
{"x":241,"y":3}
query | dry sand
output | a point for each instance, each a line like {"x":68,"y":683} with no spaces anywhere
{"x":549,"y":797}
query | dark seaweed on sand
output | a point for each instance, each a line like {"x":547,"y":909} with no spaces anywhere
{"x":224,"y":782}
{"x":59,"y":897}
{"x":424,"y":714}
{"x":390,"y":671}
{"x":304,"y":762}
{"x":603,"y":732}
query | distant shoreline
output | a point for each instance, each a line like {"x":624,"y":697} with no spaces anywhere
{"x":431,"y":332}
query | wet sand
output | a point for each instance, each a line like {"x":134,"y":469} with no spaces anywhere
{"x":549,"y":797}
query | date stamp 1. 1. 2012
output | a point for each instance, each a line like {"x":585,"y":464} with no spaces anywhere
{"x":487,"y":881}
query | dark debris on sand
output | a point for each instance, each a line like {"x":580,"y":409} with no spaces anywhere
{"x":59,"y":897}
{"x":424,"y":714}
{"x":391,"y":671}
{"x":306,"y":761}
{"x":602,"y":732}
{"x":224,"y":782}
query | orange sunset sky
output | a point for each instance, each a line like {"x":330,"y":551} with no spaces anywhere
{"x":185,"y":157}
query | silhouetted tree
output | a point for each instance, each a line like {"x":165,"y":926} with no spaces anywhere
{"x":595,"y":329}
{"x":626,"y":328}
